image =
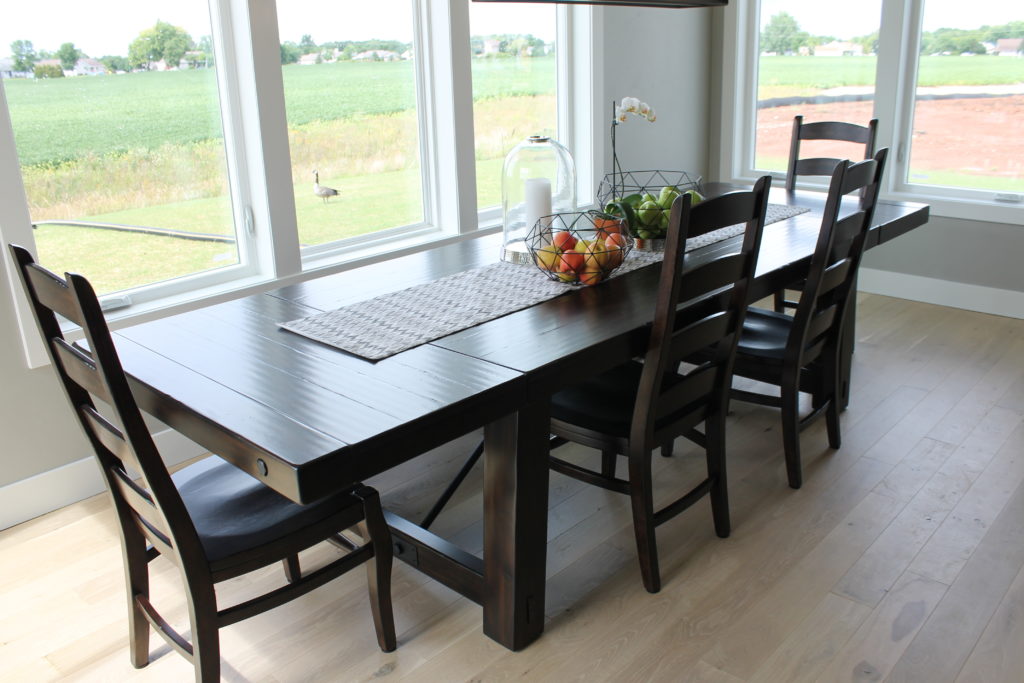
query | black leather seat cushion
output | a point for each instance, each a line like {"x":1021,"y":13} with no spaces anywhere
{"x":764,"y":334}
{"x":603,"y":403}
{"x":234,"y":512}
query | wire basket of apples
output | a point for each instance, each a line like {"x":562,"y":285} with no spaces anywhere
{"x":644,"y":199}
{"x":580,"y":247}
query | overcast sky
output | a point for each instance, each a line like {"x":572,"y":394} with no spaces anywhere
{"x":107,"y":27}
{"x":861,"y":17}
{"x":102,"y":27}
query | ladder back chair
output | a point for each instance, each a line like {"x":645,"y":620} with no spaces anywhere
{"x":840,"y":131}
{"x":802,"y":352}
{"x":639,"y":406}
{"x":211,"y":519}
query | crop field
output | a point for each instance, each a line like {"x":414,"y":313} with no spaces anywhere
{"x":117,"y":114}
{"x":147,"y":149}
{"x":801,"y":76}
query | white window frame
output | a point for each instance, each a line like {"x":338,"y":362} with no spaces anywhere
{"x":256,"y":144}
{"x":895,"y":83}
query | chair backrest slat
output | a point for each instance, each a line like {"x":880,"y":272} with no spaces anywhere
{"x":697,"y":308}
{"x":841,"y":131}
{"x":110,"y":437}
{"x":721,"y":272}
{"x":700,"y":335}
{"x":835,"y":275}
{"x":139,"y":500}
{"x":81,"y":369}
{"x":53,"y":293}
{"x":815,"y":166}
{"x":692,"y":391}
{"x":151,"y":504}
{"x":818,"y":320}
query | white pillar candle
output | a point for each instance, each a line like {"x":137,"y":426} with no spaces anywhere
{"x":538,"y":200}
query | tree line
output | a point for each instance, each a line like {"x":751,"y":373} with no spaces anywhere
{"x":782,"y":35}
{"x":171,"y":44}
{"x":163,"y":42}
{"x":506,"y":45}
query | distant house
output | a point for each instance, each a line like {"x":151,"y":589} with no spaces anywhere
{"x":1010,"y":47}
{"x":87,"y":66}
{"x":839,"y":48}
{"x":376,"y":56}
{"x":492,"y":46}
{"x":310,"y":58}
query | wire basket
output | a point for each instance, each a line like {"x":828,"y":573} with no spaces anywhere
{"x":579,"y":247}
{"x":644,"y":198}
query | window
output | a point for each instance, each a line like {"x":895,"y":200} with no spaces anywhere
{"x":122,"y":152}
{"x":514,"y":56}
{"x":944,"y":84}
{"x":191,"y":152}
{"x":806,"y":66}
{"x":968,"y":108}
{"x":350,"y":93}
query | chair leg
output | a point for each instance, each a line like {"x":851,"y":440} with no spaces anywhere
{"x":136,"y":577}
{"x":779,"y":299}
{"x":378,"y":569}
{"x":667,"y":448}
{"x":791,"y":432}
{"x":833,"y":396}
{"x":608,"y":463}
{"x":292,"y":569}
{"x":202,"y":611}
{"x":642,"y":499}
{"x":719,"y":494}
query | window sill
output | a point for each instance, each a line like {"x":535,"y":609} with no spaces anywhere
{"x":940,"y":206}
{"x":325,"y":265}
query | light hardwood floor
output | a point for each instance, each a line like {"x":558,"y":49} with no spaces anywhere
{"x":901,"y":558}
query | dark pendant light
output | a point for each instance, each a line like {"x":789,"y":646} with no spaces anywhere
{"x":628,"y":3}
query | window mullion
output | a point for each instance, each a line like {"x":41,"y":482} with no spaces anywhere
{"x":261,"y":127}
{"x":450,"y":107}
{"x":895,"y":81}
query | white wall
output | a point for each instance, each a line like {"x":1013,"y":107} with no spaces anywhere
{"x":660,"y":56}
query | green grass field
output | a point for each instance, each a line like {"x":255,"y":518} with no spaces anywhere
{"x":118,"y":114}
{"x":146,"y":149}
{"x":799,"y":76}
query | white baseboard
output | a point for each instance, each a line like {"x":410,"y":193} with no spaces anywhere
{"x":48,"y":491}
{"x":1006,"y":302}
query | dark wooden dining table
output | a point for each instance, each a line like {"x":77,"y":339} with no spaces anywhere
{"x":308,"y":419}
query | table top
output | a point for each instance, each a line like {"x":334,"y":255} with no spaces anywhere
{"x":306,"y":418}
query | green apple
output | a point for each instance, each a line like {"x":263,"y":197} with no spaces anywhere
{"x":695,"y":197}
{"x":649,"y":212}
{"x":667,"y":196}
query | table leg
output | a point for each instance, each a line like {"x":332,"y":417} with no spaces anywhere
{"x":515,"y":525}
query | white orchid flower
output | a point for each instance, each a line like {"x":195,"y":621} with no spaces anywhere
{"x":651,"y":116}
{"x":630,"y":104}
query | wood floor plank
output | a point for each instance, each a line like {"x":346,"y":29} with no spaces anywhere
{"x":929,"y":481}
{"x":880,"y":641}
{"x":998,"y":656}
{"x":809,"y":647}
{"x":952,"y":544}
{"x":949,"y":635}
{"x":743,"y":647}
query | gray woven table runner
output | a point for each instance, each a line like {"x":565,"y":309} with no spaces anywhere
{"x":391,"y":323}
